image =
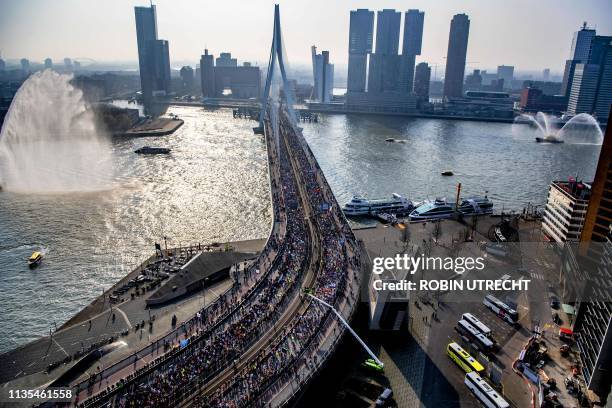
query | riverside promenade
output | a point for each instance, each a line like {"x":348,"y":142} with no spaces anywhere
{"x":112,"y":318}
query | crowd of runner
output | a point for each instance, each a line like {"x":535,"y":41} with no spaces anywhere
{"x":290,"y":349}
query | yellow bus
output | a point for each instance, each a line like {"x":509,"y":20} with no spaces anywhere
{"x":463,"y":359}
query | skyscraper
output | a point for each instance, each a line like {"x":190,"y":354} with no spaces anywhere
{"x":422,"y":76}
{"x":597,"y":220}
{"x":603,"y":99}
{"x":207,"y":71}
{"x":153,"y":55}
{"x":361,"y":31}
{"x":456,"y":56}
{"x":161,"y":64}
{"x":581,"y":43}
{"x":413,"y":38}
{"x":579,"y":53}
{"x":546,"y":74}
{"x":67,"y":64}
{"x":323,"y":73}
{"x":591,"y":90}
{"x":186,"y":78}
{"x":384,"y":63}
{"x":48,"y":63}
{"x":2,"y":65}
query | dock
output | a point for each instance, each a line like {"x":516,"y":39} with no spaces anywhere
{"x":154,"y":127}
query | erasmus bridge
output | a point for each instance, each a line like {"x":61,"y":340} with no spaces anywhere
{"x":267,"y":345}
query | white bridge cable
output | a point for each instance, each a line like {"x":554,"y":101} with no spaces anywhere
{"x":345,"y":323}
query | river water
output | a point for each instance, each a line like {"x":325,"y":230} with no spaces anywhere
{"x":213,"y":187}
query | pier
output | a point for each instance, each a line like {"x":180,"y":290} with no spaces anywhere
{"x":46,"y":359}
{"x":154,"y":127}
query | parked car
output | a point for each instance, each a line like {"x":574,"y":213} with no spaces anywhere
{"x":384,"y":398}
{"x":554,"y":302}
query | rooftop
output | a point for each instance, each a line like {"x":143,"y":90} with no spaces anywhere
{"x":574,"y":189}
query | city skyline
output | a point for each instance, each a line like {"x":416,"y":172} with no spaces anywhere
{"x":51,"y":24}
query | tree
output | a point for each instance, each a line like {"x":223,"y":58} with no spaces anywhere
{"x":437,"y":231}
{"x":405,"y":237}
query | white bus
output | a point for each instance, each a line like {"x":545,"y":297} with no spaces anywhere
{"x":483,"y":343}
{"x":483,"y":391}
{"x":501,"y":309}
{"x":473,"y":320}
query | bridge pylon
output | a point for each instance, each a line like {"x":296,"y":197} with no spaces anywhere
{"x":276,"y":54}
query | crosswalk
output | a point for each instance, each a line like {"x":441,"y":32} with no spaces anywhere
{"x":545,"y":264}
{"x":537,"y":275}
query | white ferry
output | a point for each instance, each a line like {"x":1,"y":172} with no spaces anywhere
{"x":397,"y":204}
{"x":433,"y":210}
{"x":476,"y":206}
{"x":440,"y":209}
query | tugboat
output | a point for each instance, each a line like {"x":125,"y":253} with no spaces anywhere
{"x":548,"y":139}
{"x":447,"y":173}
{"x":152,"y":150}
{"x":35,"y":259}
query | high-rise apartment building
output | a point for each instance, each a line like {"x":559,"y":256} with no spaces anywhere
{"x":361,"y":32}
{"x":565,"y":210}
{"x":456,"y":56}
{"x":384,"y":91}
{"x":323,"y":73}
{"x":186,"y":74}
{"x":153,"y":55}
{"x":411,"y":47}
{"x":422,"y":76}
{"x":384,"y":62}
{"x":161,"y":64}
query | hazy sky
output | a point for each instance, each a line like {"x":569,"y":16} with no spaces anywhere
{"x":530,"y":34}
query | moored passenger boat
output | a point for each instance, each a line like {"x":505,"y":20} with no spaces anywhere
{"x":397,"y":204}
{"x":433,"y":210}
{"x":476,"y":205}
